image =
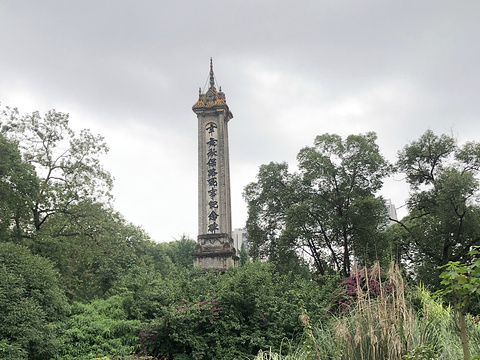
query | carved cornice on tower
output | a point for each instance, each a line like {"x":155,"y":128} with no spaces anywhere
{"x":212,"y":97}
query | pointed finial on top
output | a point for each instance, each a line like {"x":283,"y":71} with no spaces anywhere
{"x":212,"y":79}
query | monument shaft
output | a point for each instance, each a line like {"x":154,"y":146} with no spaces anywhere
{"x":214,"y":249}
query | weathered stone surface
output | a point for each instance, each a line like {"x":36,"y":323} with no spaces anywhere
{"x":215,"y":244}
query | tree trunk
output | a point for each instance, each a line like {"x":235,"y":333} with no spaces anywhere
{"x":463,"y":334}
{"x":36,"y":217}
{"x":346,"y":256}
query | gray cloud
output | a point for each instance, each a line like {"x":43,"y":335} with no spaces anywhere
{"x":131,"y":70}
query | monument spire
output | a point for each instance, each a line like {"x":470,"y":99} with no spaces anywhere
{"x":212,"y":77}
{"x":214,"y":249}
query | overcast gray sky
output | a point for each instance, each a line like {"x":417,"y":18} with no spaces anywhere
{"x":130,"y":71}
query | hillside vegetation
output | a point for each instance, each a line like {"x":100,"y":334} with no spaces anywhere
{"x":327,"y":276}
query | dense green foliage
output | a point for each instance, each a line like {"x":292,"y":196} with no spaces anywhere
{"x":32,"y":304}
{"x":230,"y":315}
{"x":78,"y":281}
{"x":444,"y":219}
{"x":18,"y":185}
{"x":460,"y":282}
{"x":328,"y":210}
{"x":97,"y":329}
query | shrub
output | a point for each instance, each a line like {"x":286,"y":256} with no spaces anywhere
{"x":421,"y":353}
{"x":31,"y":305}
{"x":185,"y":329}
{"x":231,"y":315}
{"x":100,"y":328}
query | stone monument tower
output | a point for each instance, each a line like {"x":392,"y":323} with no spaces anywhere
{"x":214,"y":249}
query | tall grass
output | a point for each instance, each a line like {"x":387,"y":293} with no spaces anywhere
{"x":380,"y":324}
{"x":269,"y":355}
{"x":383,"y":324}
{"x":435,"y":327}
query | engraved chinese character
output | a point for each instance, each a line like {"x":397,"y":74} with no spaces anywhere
{"x":213,"y":227}
{"x":212,"y":162}
{"x":211,"y":153}
{"x":212,"y":172}
{"x":212,"y":181}
{"x":213,"y":216}
{"x":212,"y":142}
{"x":211,"y":128}
{"x":213,"y":204}
{"x":212,"y":192}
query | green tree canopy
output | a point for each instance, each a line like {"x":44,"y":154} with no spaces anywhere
{"x":228,"y":316}
{"x":328,"y":210}
{"x":67,"y":165}
{"x":92,"y":246}
{"x":57,"y":201}
{"x":18,"y":186}
{"x":31,"y":302}
{"x":444,"y":219}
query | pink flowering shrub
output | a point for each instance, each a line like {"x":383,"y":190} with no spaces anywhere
{"x":364,"y":283}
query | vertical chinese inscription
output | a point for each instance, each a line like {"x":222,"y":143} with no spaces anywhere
{"x":212,"y":181}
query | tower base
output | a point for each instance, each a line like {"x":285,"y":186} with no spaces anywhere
{"x":215,"y":252}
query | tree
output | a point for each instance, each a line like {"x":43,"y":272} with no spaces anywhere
{"x":59,"y":203}
{"x":328,"y":210}
{"x":180,"y":251}
{"x":444,"y":219}
{"x":268,"y":201}
{"x":243,"y":255}
{"x":68,"y":165}
{"x":92,"y":246}
{"x":31,"y":304}
{"x":99,"y":328}
{"x":18,"y":186}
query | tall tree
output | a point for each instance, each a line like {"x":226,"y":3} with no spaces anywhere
{"x":67,"y":164}
{"x":328,"y":210}
{"x":92,"y":246}
{"x":180,"y":251}
{"x":18,"y":186}
{"x":67,"y":216}
{"x":444,"y":220}
{"x":268,"y":201}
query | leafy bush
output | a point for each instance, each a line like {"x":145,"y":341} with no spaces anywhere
{"x":435,"y":327}
{"x":231,"y":315}
{"x":421,"y":353}
{"x":31,"y":305}
{"x":186,"y":328}
{"x":99,"y":328}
